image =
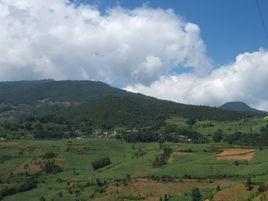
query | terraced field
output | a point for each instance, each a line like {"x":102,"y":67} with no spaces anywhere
{"x":236,"y":154}
{"x":131,"y":175}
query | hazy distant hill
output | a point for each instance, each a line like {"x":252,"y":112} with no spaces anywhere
{"x":241,"y":107}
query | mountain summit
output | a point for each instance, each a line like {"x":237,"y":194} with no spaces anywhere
{"x":239,"y":106}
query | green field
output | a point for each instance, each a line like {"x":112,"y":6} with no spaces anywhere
{"x":208,"y":128}
{"x":78,"y":179}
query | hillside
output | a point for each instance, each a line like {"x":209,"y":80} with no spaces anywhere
{"x":30,"y":92}
{"x":136,"y":109}
{"x":43,"y":97}
{"x":99,"y":97}
{"x":96,"y":103}
{"x":241,"y":107}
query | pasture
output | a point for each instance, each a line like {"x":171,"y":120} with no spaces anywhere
{"x":208,"y":128}
{"x":131,"y":174}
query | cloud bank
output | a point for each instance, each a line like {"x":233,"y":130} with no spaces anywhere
{"x":136,"y":48}
{"x":60,"y":40}
{"x":246,"y":79}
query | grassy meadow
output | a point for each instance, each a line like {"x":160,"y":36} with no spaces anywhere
{"x":209,"y":127}
{"x":131,"y":175}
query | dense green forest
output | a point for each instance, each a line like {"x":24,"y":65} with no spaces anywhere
{"x":136,"y":109}
{"x":31,"y":92}
{"x":49,"y":109}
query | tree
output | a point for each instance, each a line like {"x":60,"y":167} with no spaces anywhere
{"x":166,"y":197}
{"x":29,"y":184}
{"x":262,"y":187}
{"x":163,"y":157}
{"x":100,"y":163}
{"x":49,"y":155}
{"x":248,"y":184}
{"x":196,"y":195}
{"x":42,"y":199}
{"x":218,"y":188}
{"x":191,"y":121}
{"x":51,"y":167}
{"x":218,"y":136}
{"x":236,"y":163}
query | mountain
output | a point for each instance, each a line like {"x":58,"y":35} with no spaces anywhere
{"x":95,"y":102}
{"x":30,"y":92}
{"x":241,"y":107}
{"x":138,"y":110}
{"x":43,"y":97}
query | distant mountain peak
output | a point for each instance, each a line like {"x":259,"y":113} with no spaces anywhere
{"x":239,"y":106}
{"x":236,"y":105}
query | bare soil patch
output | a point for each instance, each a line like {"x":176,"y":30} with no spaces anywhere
{"x":8,"y":144}
{"x":18,"y":146}
{"x":262,"y":197}
{"x":236,"y":154}
{"x":78,"y":148}
{"x":31,"y":166}
{"x":235,"y":193}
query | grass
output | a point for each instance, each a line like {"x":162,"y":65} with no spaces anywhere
{"x":77,"y":156}
{"x":208,"y":128}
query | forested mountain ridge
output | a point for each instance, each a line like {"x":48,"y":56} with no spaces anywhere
{"x":136,"y":109}
{"x":58,"y":109}
{"x":241,"y":107}
{"x":30,"y":92}
{"x":98,"y":103}
{"x":33,"y":92}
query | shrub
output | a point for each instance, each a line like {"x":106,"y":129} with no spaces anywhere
{"x":218,"y":188}
{"x":29,"y":184}
{"x":49,"y":155}
{"x":8,"y":191}
{"x":42,"y":199}
{"x":262,"y":187}
{"x":196,"y":195}
{"x":248,"y":184}
{"x":218,"y":136}
{"x":51,"y":167}
{"x":163,"y":158}
{"x":191,"y":121}
{"x":100,"y":163}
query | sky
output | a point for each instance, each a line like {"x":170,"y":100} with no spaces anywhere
{"x":189,"y":51}
{"x":227,"y":27}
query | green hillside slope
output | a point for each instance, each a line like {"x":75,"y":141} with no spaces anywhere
{"x":135,"y":109}
{"x":29,"y":92}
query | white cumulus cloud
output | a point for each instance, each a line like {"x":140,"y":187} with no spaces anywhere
{"x":244,"y":80}
{"x":60,"y":40}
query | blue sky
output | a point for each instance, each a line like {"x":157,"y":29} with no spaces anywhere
{"x":228,"y":27}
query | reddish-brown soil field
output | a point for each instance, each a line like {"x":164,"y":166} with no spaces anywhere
{"x":236,"y":154}
{"x":152,"y":190}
